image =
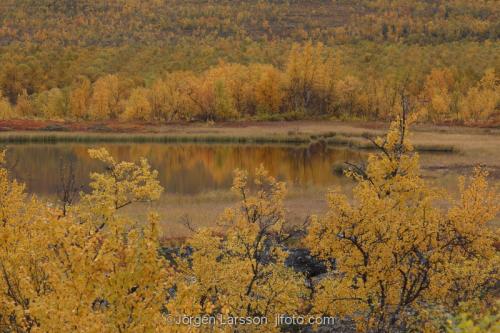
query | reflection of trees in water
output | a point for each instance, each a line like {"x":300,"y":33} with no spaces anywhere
{"x":38,"y":166}
{"x":183,"y":168}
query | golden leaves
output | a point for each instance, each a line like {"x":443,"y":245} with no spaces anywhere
{"x":238,"y":269}
{"x":122,"y":183}
{"x":394,"y":248}
{"x":71,"y":273}
{"x":394,"y":254}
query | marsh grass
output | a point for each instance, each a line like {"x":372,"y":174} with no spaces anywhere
{"x":436,"y":148}
{"x":146,"y":138}
{"x":359,"y":142}
{"x":351,"y":140}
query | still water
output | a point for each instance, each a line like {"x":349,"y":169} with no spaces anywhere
{"x":186,"y":169}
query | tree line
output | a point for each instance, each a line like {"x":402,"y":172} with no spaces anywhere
{"x":314,"y":82}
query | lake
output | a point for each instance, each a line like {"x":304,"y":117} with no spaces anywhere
{"x":197,"y":177}
{"x":186,"y":169}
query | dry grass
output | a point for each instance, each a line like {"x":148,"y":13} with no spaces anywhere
{"x":351,"y":134}
{"x":203,"y":209}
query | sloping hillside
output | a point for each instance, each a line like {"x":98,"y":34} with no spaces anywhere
{"x":116,"y":22}
{"x":177,"y":60}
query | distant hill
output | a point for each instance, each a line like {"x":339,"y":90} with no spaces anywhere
{"x":118,"y":22}
{"x":183,"y":60}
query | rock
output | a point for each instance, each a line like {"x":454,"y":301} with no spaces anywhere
{"x":302,"y":261}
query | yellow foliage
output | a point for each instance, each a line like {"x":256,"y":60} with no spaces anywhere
{"x":269,"y":91}
{"x":76,"y":273}
{"x":470,"y":320}
{"x":395,"y":251}
{"x":238,"y":269}
{"x":138,"y":106}
{"x":170,"y":98}
{"x":80,"y":98}
{"x":397,"y":259}
{"x":105,"y":100}
{"x":306,"y":82}
{"x":6,"y":110}
{"x":437,"y":94}
{"x":56,"y":105}
{"x":24,"y":106}
{"x":310,"y":72}
{"x":483,"y":100}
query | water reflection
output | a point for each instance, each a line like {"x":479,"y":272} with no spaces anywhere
{"x":183,"y":168}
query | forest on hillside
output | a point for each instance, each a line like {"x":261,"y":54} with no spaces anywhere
{"x":171,"y":61}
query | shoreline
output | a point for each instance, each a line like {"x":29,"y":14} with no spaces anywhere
{"x":351,"y":134}
{"x":327,"y":139}
{"x":445,"y":146}
{"x":121,"y":127}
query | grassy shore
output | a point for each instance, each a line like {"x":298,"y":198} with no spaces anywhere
{"x":226,"y":135}
{"x":84,"y":137}
{"x":462,"y":145}
{"x":468,"y":145}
